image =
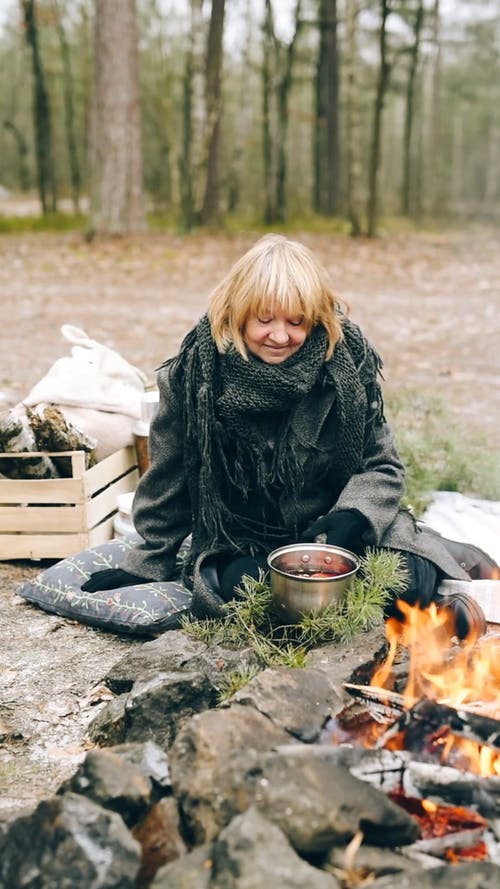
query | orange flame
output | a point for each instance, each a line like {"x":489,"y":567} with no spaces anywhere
{"x":428,"y":805}
{"x":457,"y":676}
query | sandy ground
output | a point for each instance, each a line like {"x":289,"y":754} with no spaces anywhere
{"x":429,"y":302}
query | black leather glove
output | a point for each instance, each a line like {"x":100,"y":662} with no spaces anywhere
{"x":111,"y":579}
{"x":342,"y":528}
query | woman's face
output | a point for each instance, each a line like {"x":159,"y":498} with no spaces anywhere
{"x":274,"y":336}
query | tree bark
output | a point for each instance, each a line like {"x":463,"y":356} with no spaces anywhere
{"x":283,"y":92}
{"x":235,"y":172}
{"x":68,"y":90}
{"x":277,"y":70}
{"x":267,"y":139}
{"x":190,"y":157}
{"x":22,"y":153}
{"x":326,"y":130}
{"x":117,"y":189}
{"x":410,"y":110}
{"x":381,"y":90}
{"x":353,"y":121}
{"x":41,"y":113}
{"x":210,"y":212}
{"x":434,"y":182}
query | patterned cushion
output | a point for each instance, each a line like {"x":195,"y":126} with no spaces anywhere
{"x":143,"y":609}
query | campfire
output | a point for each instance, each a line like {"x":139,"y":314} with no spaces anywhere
{"x":430,"y":714}
{"x":462,"y":681}
{"x":448,"y":705}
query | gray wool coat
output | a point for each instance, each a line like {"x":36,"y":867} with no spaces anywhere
{"x":163,"y":509}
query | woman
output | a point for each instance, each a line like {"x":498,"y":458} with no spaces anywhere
{"x":270,"y":429}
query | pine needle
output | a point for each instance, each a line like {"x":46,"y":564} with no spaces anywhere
{"x":253,"y":620}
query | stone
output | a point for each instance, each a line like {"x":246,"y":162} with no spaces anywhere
{"x":350,"y":661}
{"x":206,"y":761}
{"x":160,"y":839}
{"x":318,"y":804}
{"x":157,"y":706}
{"x":108,"y":727}
{"x":296,"y":700}
{"x":151,"y":760}
{"x":477,"y":875}
{"x":252,"y":853}
{"x":170,"y":652}
{"x":108,"y":779}
{"x":68,"y":841}
{"x":174,"y":652}
{"x":192,"y":871}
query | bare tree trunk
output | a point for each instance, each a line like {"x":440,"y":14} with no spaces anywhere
{"x":210,"y":213}
{"x":189,"y":161}
{"x":267,"y":139}
{"x":283,"y":92}
{"x":382,"y":85}
{"x":22,"y":154}
{"x":74,"y":164}
{"x":353,"y":120}
{"x":235,"y":171}
{"x":326,"y":130}
{"x":435,"y":187}
{"x":277,"y":70}
{"x":457,"y":157}
{"x":116,"y":169}
{"x":410,"y":110}
{"x":41,"y":112}
{"x":161,"y":175}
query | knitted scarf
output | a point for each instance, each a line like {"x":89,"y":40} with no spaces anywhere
{"x":253,"y":425}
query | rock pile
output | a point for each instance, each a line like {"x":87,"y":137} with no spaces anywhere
{"x":185,"y":794}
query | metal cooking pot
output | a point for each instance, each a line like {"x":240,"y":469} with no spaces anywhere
{"x":295,"y":587}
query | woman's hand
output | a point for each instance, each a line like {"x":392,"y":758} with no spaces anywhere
{"x":111,"y":579}
{"x":342,"y":528}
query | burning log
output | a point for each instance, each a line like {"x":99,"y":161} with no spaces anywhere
{"x":430,"y":716}
{"x":454,"y":786}
{"x":444,"y":828}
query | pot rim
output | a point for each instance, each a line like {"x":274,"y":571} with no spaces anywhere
{"x":338,"y":550}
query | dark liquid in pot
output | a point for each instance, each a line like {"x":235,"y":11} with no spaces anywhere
{"x":325,"y":575}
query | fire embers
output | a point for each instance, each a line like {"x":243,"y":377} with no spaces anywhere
{"x":454,"y":832}
{"x":451,"y":699}
{"x":431,"y":703}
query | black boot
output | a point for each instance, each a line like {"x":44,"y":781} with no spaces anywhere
{"x":477,"y":564}
{"x":207,"y":594}
{"x":465,"y":618}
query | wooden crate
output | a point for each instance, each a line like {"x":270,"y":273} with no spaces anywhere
{"x":57,"y":517}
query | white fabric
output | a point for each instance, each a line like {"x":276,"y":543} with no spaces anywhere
{"x":93,"y":376}
{"x":485,"y":592}
{"x":467,"y":519}
{"x":112,"y":431}
{"x":474,"y":521}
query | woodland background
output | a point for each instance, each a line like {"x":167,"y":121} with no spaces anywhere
{"x":188,"y":129}
{"x":233,"y":113}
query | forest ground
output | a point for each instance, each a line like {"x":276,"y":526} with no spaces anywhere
{"x":430,"y":303}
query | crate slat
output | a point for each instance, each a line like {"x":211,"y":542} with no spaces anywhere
{"x":105,"y":502}
{"x":53,"y":519}
{"x":110,"y":468}
{"x":42,"y":546}
{"x":43,"y":490}
{"x":56,"y":518}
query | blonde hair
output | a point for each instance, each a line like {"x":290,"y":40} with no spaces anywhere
{"x":275,"y":272}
